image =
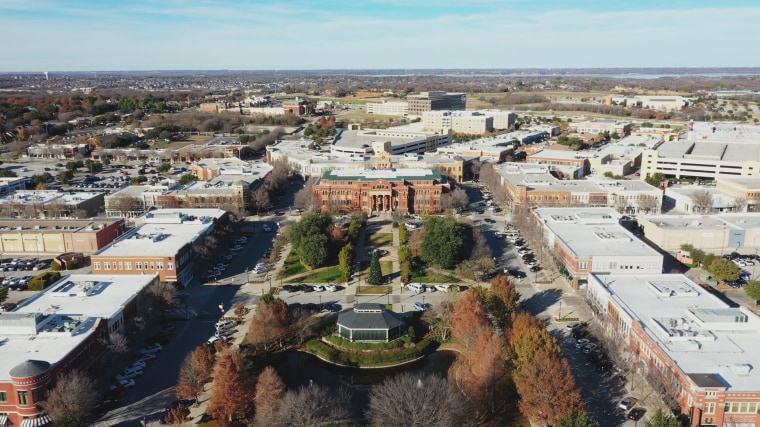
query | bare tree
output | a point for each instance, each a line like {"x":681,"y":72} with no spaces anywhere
{"x":260,"y":198}
{"x":270,"y":390}
{"x":304,"y":198}
{"x":118,"y":343}
{"x":312,"y":406}
{"x":73,"y":396}
{"x":125,"y":205}
{"x":459,"y":198}
{"x":475,"y":169}
{"x":621,"y":203}
{"x":740,"y":204}
{"x":649,"y":204}
{"x":702,"y":200}
{"x":406,"y":399}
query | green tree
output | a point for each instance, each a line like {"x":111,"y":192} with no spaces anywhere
{"x":752,"y":289}
{"x":65,"y":176}
{"x":313,"y":250}
{"x":187,"y":179}
{"x":403,"y":234}
{"x":353,"y":229}
{"x":443,"y":242}
{"x":3,"y":294}
{"x":661,"y":420}
{"x":723,"y":269}
{"x":139,"y":179}
{"x":5,"y":173}
{"x":405,"y":262}
{"x":345,"y":260}
{"x":375,"y":274}
{"x":577,"y":419}
{"x":164,"y":167}
{"x":655,"y":179}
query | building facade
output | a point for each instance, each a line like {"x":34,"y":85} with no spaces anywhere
{"x":43,"y":237}
{"x":388,"y":108}
{"x":58,"y":330}
{"x":161,"y":243}
{"x":436,"y":100}
{"x":381,"y":190}
{"x":692,"y":343}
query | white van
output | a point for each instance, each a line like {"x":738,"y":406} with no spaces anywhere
{"x":416,"y":287}
{"x":265,"y":228}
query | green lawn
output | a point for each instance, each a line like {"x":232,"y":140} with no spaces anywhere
{"x":331,"y":274}
{"x":378,"y":239}
{"x":373,"y":289}
{"x":432,"y":277}
{"x":292,"y":266}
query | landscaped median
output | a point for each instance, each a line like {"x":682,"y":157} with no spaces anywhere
{"x":341,"y":352}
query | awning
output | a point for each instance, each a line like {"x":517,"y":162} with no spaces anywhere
{"x":37,"y":422}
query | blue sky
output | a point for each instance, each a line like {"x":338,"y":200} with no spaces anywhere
{"x":96,"y":35}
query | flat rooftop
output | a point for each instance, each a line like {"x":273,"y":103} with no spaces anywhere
{"x":593,"y":232}
{"x":723,"y":132}
{"x":361,"y":138}
{"x":163,"y":232}
{"x":710,"y":150}
{"x":56,"y":225}
{"x":46,"y":197}
{"x":736,"y":221}
{"x":398,"y":174}
{"x":51,"y":324}
{"x":707,"y":339}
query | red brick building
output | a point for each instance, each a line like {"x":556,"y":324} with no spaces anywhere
{"x":381,"y":190}
{"x":690,"y":345}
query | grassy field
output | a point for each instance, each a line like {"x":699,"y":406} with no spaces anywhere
{"x":432,"y":277}
{"x":292,"y":266}
{"x":331,"y":274}
{"x":378,"y":239}
{"x":373,"y":289}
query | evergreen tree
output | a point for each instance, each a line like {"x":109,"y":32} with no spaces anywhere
{"x":375,"y":274}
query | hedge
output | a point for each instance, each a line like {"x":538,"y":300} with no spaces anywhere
{"x":350,"y":345}
{"x":43,"y":280}
{"x":382,"y":358}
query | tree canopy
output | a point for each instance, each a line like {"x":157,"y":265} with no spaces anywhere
{"x":444,"y":241}
{"x":310,"y":237}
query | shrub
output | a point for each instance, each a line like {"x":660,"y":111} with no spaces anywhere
{"x":42,"y":281}
{"x":55,"y":266}
{"x":380,"y":358}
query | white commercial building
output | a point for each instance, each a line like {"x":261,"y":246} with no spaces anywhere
{"x":388,"y":108}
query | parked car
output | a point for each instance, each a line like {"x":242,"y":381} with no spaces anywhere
{"x":128,"y":375}
{"x":442,"y":288}
{"x":636,"y":414}
{"x":421,"y":306}
{"x":225,"y":324}
{"x":153,"y":348}
{"x":581,"y":342}
{"x":588,"y":348}
{"x":499,"y":235}
{"x":123,"y":384}
{"x":516,"y":273}
{"x":627,"y":403}
{"x":331,"y":288}
{"x":146,"y":357}
{"x":318,"y":288}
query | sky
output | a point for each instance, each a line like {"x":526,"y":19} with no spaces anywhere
{"x":120,"y":35}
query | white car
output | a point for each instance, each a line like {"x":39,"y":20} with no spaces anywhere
{"x":153,"y":348}
{"x":331,"y":288}
{"x":124,"y":376}
{"x":225,"y":324}
{"x":442,"y":288}
{"x":318,"y":288}
{"x":123,"y":384}
{"x":499,"y":235}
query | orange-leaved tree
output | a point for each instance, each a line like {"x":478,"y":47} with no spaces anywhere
{"x":547,"y":388}
{"x":270,"y":390}
{"x":468,"y":319}
{"x":232,"y":394}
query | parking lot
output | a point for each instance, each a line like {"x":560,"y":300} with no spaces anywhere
{"x":15,"y":274}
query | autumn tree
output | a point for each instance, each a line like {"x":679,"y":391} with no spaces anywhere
{"x":72,"y":398}
{"x":468,"y":319}
{"x":270,"y":390}
{"x":270,"y":324}
{"x":501,"y":300}
{"x":527,"y":338}
{"x":231,"y":396}
{"x":649,"y":204}
{"x":410,"y":400}
{"x":313,"y":406}
{"x":547,"y":388}
{"x":659,"y":419}
{"x":190,"y":380}
{"x":577,"y":419}
{"x":204,"y":360}
{"x":481,"y":377}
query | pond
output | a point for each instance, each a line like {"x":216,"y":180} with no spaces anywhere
{"x":298,"y":369}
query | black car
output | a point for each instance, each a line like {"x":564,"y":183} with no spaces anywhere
{"x":489,"y":220}
{"x":535,"y":268}
{"x":636,"y":414}
{"x":517,"y":273}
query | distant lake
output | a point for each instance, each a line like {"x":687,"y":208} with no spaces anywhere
{"x":296,"y":369}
